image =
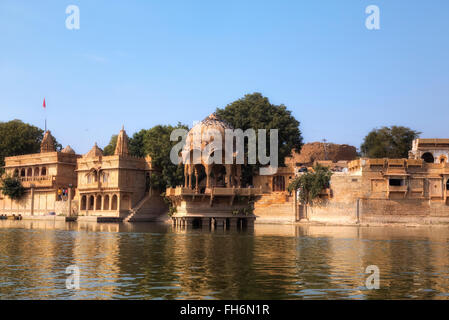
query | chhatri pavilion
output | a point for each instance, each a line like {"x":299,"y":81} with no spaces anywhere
{"x":212,"y":193}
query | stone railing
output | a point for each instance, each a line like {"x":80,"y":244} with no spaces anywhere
{"x":397,"y":188}
{"x":38,"y":181}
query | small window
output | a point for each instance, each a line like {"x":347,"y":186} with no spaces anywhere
{"x":396,"y":182}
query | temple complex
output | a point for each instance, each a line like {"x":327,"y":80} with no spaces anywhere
{"x":117,"y":186}
{"x":42,"y":175}
{"x":89,"y":187}
{"x":212,"y":193}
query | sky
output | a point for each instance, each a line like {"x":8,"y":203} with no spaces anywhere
{"x":143,"y":63}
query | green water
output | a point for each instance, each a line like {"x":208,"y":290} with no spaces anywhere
{"x":155,"y":261}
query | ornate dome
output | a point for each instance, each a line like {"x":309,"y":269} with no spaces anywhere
{"x":94,"y":152}
{"x":204,"y":132}
{"x":68,"y":149}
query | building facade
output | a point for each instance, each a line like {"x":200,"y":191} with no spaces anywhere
{"x":44,"y":176}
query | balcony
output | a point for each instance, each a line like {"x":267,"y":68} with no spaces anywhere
{"x":38,"y":181}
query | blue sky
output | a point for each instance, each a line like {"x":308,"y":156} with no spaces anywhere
{"x":142,"y":63}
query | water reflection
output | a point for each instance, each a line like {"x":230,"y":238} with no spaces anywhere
{"x":157,"y":261}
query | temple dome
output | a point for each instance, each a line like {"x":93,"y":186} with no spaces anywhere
{"x":68,"y":149}
{"x":48,"y":143}
{"x":94,"y":152}
{"x":204,"y":132}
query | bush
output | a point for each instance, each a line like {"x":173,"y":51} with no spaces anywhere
{"x":310,"y":184}
{"x":12,"y":187}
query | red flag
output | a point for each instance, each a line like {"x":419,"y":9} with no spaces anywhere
{"x":44,"y":104}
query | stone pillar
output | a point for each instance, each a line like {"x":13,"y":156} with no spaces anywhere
{"x":239,"y":175}
{"x":208,"y":172}
{"x":32,"y":199}
{"x":250,"y":222}
{"x":196,"y":180}
{"x":228,"y":175}
{"x":70,"y":201}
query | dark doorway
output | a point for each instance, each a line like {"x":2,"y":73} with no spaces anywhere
{"x":428,"y":157}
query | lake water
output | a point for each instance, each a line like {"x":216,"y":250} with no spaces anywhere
{"x":156,"y":261}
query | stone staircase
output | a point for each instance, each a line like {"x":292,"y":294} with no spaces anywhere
{"x":136,"y":209}
{"x":149,"y":208}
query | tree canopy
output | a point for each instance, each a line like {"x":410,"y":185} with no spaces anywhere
{"x":257,"y":112}
{"x":310,"y":184}
{"x":389,"y":142}
{"x":12,"y":187}
{"x":110,"y":148}
{"x":17,"y":138}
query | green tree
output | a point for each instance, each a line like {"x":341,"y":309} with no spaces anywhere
{"x":255,"y":111}
{"x":310,"y":184}
{"x":156,"y":143}
{"x":12,"y":187}
{"x":389,"y":142}
{"x":110,"y":148}
{"x":17,"y":138}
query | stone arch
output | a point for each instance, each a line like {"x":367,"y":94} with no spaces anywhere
{"x":36,"y":172}
{"x":106,"y":202}
{"x":98,"y":203}
{"x":114,"y":202}
{"x":91,"y":202}
{"x":83,"y":202}
{"x":29,"y":172}
{"x":44,"y":171}
{"x":428,"y":157}
{"x":22,"y":172}
{"x":16,"y":173}
{"x":442,"y":159}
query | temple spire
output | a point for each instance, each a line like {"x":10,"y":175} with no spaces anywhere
{"x":48,"y":143}
{"x":122,"y":143}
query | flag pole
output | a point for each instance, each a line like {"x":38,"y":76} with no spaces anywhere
{"x":45,"y":114}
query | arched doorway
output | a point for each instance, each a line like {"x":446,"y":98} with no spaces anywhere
{"x":98,"y":203}
{"x":83,"y":202}
{"x":91,"y":203}
{"x":428,"y":157}
{"x":106,"y":202}
{"x":29,"y":172}
{"x":44,"y":171}
{"x":36,"y":172}
{"x":114,"y":202}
